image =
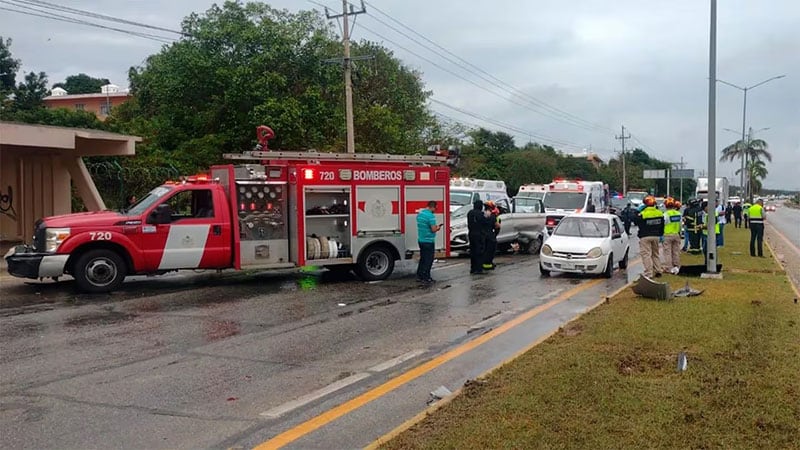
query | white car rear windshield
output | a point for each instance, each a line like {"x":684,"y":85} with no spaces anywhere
{"x":460,"y":198}
{"x":586,"y":227}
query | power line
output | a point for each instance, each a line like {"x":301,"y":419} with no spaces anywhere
{"x":575,"y":120}
{"x":61,"y":18}
{"x":534,"y":105}
{"x":81,"y":12}
{"x":509,"y":126}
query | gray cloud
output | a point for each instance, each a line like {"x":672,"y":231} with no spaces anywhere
{"x":642,"y":64}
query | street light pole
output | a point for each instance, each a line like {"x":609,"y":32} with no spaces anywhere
{"x":711,"y":220}
{"x":744,"y":121}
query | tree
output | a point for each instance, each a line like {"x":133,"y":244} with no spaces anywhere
{"x":749,"y":149}
{"x":756,"y":170}
{"x":527,"y":166}
{"x":244,"y":65}
{"x":8,"y":70}
{"x":29,"y":94}
{"x":82,"y":84}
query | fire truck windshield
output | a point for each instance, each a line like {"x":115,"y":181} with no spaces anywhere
{"x":565,"y":200}
{"x":149,"y":200}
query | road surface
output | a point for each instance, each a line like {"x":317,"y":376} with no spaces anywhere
{"x":235,"y":360}
{"x":783,"y":234}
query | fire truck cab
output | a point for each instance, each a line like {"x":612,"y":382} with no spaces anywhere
{"x":293,"y":209}
{"x":565,"y":197}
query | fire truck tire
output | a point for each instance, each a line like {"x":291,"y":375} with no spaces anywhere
{"x":99,"y":270}
{"x":375,"y":263}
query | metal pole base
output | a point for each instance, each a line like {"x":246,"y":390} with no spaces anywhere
{"x":712,"y":275}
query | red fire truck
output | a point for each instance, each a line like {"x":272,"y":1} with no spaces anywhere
{"x":291,"y":209}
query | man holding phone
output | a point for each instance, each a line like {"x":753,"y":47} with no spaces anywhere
{"x":426,"y":237}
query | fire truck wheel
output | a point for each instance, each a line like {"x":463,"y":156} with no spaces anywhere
{"x":375,"y":263}
{"x":99,"y":270}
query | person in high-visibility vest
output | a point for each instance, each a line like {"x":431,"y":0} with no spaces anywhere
{"x":757,"y":218}
{"x":672,"y":236}
{"x":651,"y":230}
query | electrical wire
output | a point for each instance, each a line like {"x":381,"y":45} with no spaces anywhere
{"x":84,"y":13}
{"x":549,"y":110}
{"x":61,"y":18}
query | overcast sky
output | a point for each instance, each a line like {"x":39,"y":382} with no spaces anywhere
{"x":643,"y":64}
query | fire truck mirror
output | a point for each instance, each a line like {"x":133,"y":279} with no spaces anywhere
{"x":161,"y":215}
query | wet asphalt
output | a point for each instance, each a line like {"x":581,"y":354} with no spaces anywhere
{"x":195,"y":360}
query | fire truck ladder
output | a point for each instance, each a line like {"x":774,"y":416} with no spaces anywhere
{"x":317,"y":157}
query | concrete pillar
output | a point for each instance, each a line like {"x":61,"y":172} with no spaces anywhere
{"x":84,"y":184}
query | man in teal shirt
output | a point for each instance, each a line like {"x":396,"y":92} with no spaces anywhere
{"x":426,"y":237}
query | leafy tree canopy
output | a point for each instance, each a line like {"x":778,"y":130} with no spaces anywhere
{"x":8,"y":69}
{"x":82,"y":84}
{"x":244,"y":65}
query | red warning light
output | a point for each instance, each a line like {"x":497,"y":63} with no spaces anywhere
{"x":252,"y":206}
{"x":308,"y":174}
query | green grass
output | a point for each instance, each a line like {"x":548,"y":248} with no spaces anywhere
{"x":609,"y":379}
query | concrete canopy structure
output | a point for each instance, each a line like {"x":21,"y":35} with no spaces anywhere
{"x":38,"y":166}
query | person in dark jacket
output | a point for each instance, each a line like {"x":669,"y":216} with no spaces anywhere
{"x":628,"y":214}
{"x":737,"y":214}
{"x":492,"y":228}
{"x":475,"y":228}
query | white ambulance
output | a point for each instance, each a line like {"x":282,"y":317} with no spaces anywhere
{"x":565,"y":197}
{"x":465,"y":191}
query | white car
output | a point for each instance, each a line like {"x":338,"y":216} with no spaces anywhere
{"x":586,"y":243}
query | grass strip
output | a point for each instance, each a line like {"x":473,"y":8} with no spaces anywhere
{"x":610,"y":379}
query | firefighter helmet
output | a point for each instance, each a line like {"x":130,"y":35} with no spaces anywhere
{"x":649,"y":201}
{"x":678,"y":204}
{"x":669,"y":202}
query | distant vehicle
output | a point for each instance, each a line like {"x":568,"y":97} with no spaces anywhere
{"x":572,"y":196}
{"x":617,"y":205}
{"x":722,"y":189}
{"x":525,"y":227}
{"x":587,"y":244}
{"x":532,"y":191}
{"x":636,"y":197}
{"x":734,"y":199}
{"x":769,"y":208}
{"x":465,"y":191}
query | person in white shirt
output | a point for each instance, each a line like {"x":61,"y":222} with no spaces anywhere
{"x":722,"y":222}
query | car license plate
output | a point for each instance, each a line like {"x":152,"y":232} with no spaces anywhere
{"x":567,"y":265}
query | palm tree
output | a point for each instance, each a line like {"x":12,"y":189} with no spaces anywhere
{"x":756,"y":171}
{"x":749,"y":149}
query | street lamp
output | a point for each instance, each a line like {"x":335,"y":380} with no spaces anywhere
{"x":744,"y":114}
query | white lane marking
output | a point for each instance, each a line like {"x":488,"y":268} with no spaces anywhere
{"x":450,"y":266}
{"x":395,"y":361}
{"x":185,"y":246}
{"x":551,"y":294}
{"x":310,"y":397}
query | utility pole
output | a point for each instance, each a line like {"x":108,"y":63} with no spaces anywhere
{"x":711,"y":220}
{"x":348,"y":84}
{"x":622,"y":138}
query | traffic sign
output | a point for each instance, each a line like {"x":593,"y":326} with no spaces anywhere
{"x":655,"y":174}
{"x":682,"y":173}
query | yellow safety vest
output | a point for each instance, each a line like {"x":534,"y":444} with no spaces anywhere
{"x":716,"y":224}
{"x":672,"y":224}
{"x":756,"y":214}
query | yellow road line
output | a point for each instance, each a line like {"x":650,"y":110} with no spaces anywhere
{"x":325,"y":418}
{"x":427,"y":411}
